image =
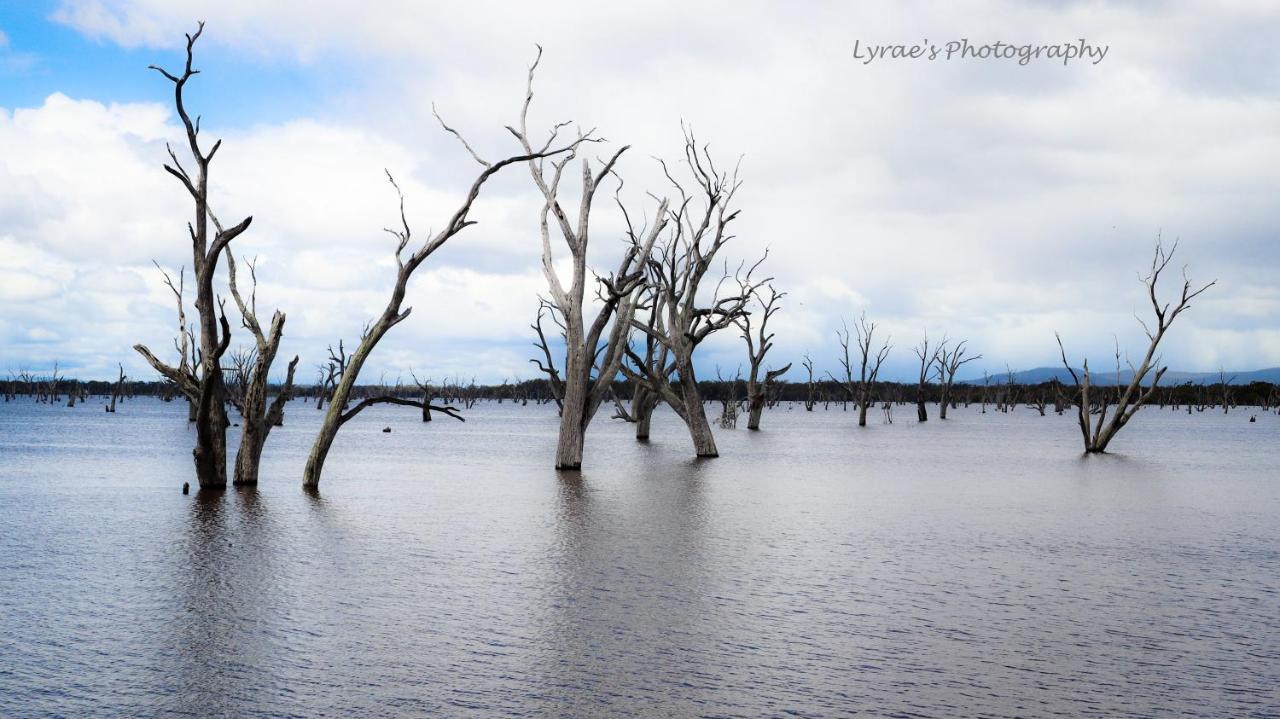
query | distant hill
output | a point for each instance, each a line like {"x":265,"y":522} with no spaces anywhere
{"x":1105,"y":377}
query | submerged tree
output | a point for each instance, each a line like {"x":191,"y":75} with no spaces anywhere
{"x":594,"y":351}
{"x":759,"y":341}
{"x":950,"y":358}
{"x":927,"y":360}
{"x":207,"y":387}
{"x":338,"y":414}
{"x":681,"y":321}
{"x":1097,"y":435}
{"x":116,"y":390}
{"x":809,"y":400}
{"x":252,"y":377}
{"x":859,"y":388}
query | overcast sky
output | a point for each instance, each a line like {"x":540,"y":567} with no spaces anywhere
{"x":976,"y":198}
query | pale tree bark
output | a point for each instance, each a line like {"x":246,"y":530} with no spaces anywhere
{"x":859,"y":388}
{"x":927,"y":359}
{"x":594,"y":349}
{"x":698,"y":230}
{"x":428,"y":394}
{"x":1097,"y":435}
{"x":210,"y":453}
{"x":392,"y":315}
{"x":252,"y":377}
{"x":759,"y":341}
{"x":809,"y":399}
{"x":654,"y":361}
{"x":729,"y":402}
{"x":950,"y":358}
{"x":117,"y":389}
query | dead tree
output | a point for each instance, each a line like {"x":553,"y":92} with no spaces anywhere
{"x":210,"y":452}
{"x":859,"y":389}
{"x":338,"y":414}
{"x":759,"y":341}
{"x":927,"y":360}
{"x":116,"y":390}
{"x":1098,"y":435}
{"x":698,"y":230}
{"x":808,"y":398}
{"x":52,"y":393}
{"x":1224,"y":386}
{"x":258,"y":416}
{"x":594,"y":350}
{"x":189,"y":364}
{"x":654,"y":361}
{"x":950,"y":359}
{"x":428,"y":394}
{"x":729,"y":402}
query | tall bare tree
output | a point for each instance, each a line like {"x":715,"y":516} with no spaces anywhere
{"x":210,"y":452}
{"x":759,"y":341}
{"x":927,"y":359}
{"x":809,"y":400}
{"x":338,"y":414}
{"x":116,"y":390}
{"x":698,"y":230}
{"x":252,"y":378}
{"x":951,"y":357}
{"x":859,"y":388}
{"x":1111,"y":420}
{"x":594,"y":350}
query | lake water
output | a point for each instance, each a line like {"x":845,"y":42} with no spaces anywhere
{"x":975,"y":567}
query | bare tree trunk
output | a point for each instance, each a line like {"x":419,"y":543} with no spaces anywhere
{"x":594,"y":351}
{"x":573,"y":412}
{"x":206,"y":390}
{"x":759,"y":342}
{"x":115,"y":392}
{"x":642,"y":408}
{"x":252,"y":373}
{"x":755,"y":408}
{"x":338,"y":414}
{"x":1097,"y":436}
{"x":704,"y":442}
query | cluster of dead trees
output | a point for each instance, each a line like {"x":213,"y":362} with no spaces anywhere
{"x":631,"y":331}
{"x":51,"y":388}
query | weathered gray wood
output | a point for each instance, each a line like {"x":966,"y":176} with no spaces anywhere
{"x":393,"y":314}
{"x":210,"y":453}
{"x":759,"y":341}
{"x":678,"y":321}
{"x":859,"y":389}
{"x":593,"y":350}
{"x":1097,"y":436}
{"x":251,"y":378}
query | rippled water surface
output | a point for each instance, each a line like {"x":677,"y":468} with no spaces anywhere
{"x":974,"y":567}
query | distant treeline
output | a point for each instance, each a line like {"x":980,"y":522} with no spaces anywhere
{"x":1002,"y":393}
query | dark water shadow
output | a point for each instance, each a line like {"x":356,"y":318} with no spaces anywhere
{"x":224,"y":586}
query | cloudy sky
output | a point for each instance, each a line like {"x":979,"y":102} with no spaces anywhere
{"x":977,"y":198}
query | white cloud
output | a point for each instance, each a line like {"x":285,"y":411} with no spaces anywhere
{"x":989,"y":201}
